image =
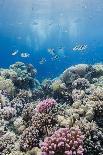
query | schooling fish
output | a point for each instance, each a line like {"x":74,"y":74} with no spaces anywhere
{"x":42,"y":61}
{"x":51,"y":51}
{"x":56,"y":57}
{"x":80,"y":48}
{"x":25,"y":55}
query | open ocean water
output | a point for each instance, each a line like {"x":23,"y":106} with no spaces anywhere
{"x":35,"y":26}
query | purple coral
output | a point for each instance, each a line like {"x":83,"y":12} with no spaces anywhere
{"x":45,"y":105}
{"x":64,"y":141}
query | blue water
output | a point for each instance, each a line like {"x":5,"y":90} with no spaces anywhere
{"x":33,"y":26}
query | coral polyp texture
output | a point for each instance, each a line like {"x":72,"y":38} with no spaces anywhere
{"x":45,"y":105}
{"x":61,"y":116}
{"x":64,"y":141}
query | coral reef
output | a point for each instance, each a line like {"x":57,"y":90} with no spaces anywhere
{"x":61,"y":116}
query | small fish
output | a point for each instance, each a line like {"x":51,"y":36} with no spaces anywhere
{"x":42,"y":61}
{"x":14,"y":53}
{"x":56,"y":57}
{"x":25,"y":55}
{"x":80,"y":48}
{"x":51,"y":51}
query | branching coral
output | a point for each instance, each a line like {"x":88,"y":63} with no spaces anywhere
{"x":98,"y":114}
{"x":93,"y":143}
{"x":64,"y":141}
{"x":44,"y":122}
{"x":8,"y":113}
{"x":4,"y":101}
{"x":45,"y":105}
{"x":18,"y":104}
{"x":7,"y":142}
{"x":6,"y":84}
{"x":8,"y":74}
{"x":20,"y":101}
{"x":27,"y":113}
{"x":81,"y":83}
{"x":19,"y":125}
{"x":78,"y":94}
{"x":41,"y":125}
{"x":29,"y":138}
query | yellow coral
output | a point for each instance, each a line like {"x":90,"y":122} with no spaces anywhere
{"x":34,"y":151}
{"x":56,"y":85}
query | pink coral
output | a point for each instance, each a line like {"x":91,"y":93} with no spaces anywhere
{"x":45,"y":105}
{"x":64,"y":141}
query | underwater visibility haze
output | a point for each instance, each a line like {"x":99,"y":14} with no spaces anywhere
{"x":51,"y":77}
{"x":35,"y":26}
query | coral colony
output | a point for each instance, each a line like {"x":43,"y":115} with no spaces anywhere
{"x":64,"y":141}
{"x":45,"y":105}
{"x":62,"y":116}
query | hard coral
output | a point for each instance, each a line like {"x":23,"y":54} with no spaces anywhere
{"x":7,"y":143}
{"x":98,"y":114}
{"x":93,"y":144}
{"x":64,"y":141}
{"x":81,"y":83}
{"x":45,"y":105}
{"x":8,"y":113}
{"x":7,"y":85}
{"x":44,"y":122}
{"x":25,"y":75}
{"x":68,"y":77}
{"x":29,"y":139}
{"x":78,"y":94}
